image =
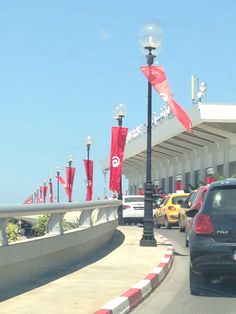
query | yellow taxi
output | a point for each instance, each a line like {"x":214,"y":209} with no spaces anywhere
{"x":167,"y":213}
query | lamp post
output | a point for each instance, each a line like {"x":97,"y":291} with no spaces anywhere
{"x":70,"y":160}
{"x":88,"y":144}
{"x":120,"y":113}
{"x":58,"y":171}
{"x":150,"y":40}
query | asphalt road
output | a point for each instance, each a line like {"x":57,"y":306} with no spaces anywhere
{"x":173,"y":295}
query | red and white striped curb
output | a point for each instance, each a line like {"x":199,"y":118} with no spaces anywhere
{"x":134,"y":296}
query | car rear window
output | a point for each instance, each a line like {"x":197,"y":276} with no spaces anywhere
{"x":178,"y":199}
{"x":134,"y":199}
{"x":221,"y":199}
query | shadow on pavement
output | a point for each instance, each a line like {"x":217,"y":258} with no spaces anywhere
{"x":117,"y":240}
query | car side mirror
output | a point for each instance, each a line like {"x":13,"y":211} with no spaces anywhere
{"x":191,"y":213}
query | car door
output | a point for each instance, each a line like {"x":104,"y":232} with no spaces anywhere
{"x":162,"y":210}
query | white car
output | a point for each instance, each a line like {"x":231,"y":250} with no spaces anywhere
{"x":133,"y":208}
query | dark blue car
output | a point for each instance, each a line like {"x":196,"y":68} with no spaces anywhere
{"x":212,"y":238}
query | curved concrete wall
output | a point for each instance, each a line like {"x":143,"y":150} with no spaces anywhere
{"x":27,"y":261}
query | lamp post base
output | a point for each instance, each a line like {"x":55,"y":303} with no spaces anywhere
{"x":148,"y":241}
{"x":120,"y":216}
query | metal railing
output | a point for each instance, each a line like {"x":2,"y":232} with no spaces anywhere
{"x":91,"y":213}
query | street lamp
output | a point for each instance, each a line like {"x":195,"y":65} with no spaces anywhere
{"x":70,"y":160}
{"x":150,"y":40}
{"x":120,"y":113}
{"x":88,"y":144}
{"x":58,"y":171}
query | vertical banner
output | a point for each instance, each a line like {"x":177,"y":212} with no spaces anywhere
{"x":118,"y":139}
{"x":44,"y":192}
{"x":62,"y":182}
{"x":178,"y":186}
{"x":88,"y":165}
{"x":210,"y":179}
{"x":156,"y":76}
{"x":70,"y":173}
{"x":50,"y":191}
{"x":29,"y":200}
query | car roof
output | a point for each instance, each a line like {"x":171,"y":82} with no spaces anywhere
{"x":178,"y":194}
{"x":225,"y":182}
{"x":134,"y":195}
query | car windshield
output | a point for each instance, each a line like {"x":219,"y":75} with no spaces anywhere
{"x":133,"y":199}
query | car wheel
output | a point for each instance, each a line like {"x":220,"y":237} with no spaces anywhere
{"x":186,"y":242}
{"x":167,"y":224}
{"x":181,"y":228}
{"x":197,"y":283}
{"x":156,"y":222}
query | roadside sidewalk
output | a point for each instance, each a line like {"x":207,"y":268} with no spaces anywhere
{"x":115,"y":280}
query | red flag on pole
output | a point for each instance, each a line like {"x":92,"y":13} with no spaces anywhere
{"x":156,"y":76}
{"x":70,"y":173}
{"x":178,"y":186}
{"x":118,"y":139}
{"x":63,"y":182}
{"x":44,"y":192}
{"x":50,"y":191}
{"x":209,"y":180}
{"x":38,"y":198}
{"x":88,"y":165}
{"x":29,"y":200}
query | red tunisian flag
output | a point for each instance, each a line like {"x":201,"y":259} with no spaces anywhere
{"x":156,"y":76}
{"x":118,"y":139}
{"x":209,"y":180}
{"x":70,"y":173}
{"x":29,"y":200}
{"x":62,"y":182}
{"x":50,"y":191}
{"x":44,"y":192}
{"x":178,"y":186}
{"x":88,"y":165}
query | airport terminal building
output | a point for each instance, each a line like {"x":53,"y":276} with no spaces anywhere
{"x":180,"y":159}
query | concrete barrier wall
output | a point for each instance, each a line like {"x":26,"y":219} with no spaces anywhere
{"x":25,"y":262}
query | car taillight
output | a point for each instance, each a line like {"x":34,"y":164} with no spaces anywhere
{"x":126,"y":206}
{"x":203,"y":224}
{"x":171,"y":208}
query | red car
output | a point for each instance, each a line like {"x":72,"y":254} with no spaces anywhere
{"x":196,"y":205}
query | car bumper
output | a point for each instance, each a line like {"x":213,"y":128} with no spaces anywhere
{"x":173,"y":219}
{"x":210,"y":257}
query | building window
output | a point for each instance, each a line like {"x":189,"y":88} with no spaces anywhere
{"x":187,"y":181}
{"x":232,"y":168}
{"x":170,"y":184}
{"x":220,"y":170}
{"x":196,"y":177}
{"x":163,"y":185}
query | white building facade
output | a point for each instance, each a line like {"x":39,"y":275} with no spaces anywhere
{"x":178,"y":155}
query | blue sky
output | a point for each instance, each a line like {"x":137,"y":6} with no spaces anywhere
{"x":65,"y":65}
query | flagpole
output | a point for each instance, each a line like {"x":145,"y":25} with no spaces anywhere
{"x":58,"y":171}
{"x":70,"y":159}
{"x":150,"y":40}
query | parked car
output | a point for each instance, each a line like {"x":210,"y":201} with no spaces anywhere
{"x":183,"y":207}
{"x":133,"y":208}
{"x":212,"y":238}
{"x":196,"y":205}
{"x":168,"y":212}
